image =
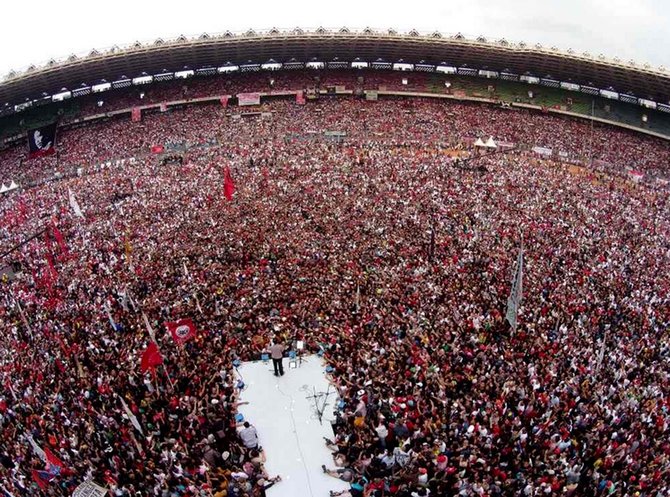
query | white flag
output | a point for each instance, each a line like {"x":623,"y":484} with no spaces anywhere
{"x":197,"y":304}
{"x":109,"y":315}
{"x":124,"y":301}
{"x":36,"y":448}
{"x":75,"y":205}
{"x":131,"y":416}
{"x":149,"y":328}
{"x":516,"y":293}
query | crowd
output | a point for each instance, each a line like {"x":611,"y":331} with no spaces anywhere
{"x":424,"y":120}
{"x":383,"y":254}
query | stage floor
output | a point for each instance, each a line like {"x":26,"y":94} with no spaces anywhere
{"x":284,"y":412}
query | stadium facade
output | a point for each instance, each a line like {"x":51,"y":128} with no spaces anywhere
{"x":253,"y":50}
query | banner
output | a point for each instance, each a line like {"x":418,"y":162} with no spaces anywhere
{"x":371,"y":95}
{"x":136,"y":114}
{"x":88,"y":488}
{"x":300,"y":98}
{"x":224,"y":101}
{"x":543,"y":151}
{"x":42,"y":141}
{"x":157,"y":149}
{"x":248,"y":99}
{"x":163,"y":107}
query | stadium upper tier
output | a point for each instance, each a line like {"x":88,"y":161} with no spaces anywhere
{"x":257,"y":50}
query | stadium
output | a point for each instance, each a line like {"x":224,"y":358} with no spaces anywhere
{"x":445,"y":256}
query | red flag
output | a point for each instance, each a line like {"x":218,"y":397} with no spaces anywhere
{"x":151,"y":358}
{"x":136,"y":114}
{"x":42,"y":478}
{"x":53,"y":459}
{"x":181,"y":330}
{"x":224,"y":101}
{"x":53,"y":274}
{"x":228,"y":185}
{"x":47,"y":241}
{"x":157,"y":149}
{"x":59,"y":238}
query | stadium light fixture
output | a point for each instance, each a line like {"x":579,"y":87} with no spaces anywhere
{"x":566,"y":85}
{"x":609,"y":94}
{"x":649,"y":104}
{"x":531,"y":80}
{"x":485,"y":73}
{"x":401,"y":66}
{"x":142,"y":80}
{"x":63,"y":95}
{"x":101,"y":87}
{"x":187,"y":73}
{"x":445,"y":69}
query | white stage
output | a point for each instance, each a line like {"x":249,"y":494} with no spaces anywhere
{"x":284,"y":412}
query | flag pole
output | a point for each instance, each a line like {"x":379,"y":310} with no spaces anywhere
{"x":168,"y":377}
{"x":23,"y":317}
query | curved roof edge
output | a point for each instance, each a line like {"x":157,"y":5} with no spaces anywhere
{"x":304,"y":43}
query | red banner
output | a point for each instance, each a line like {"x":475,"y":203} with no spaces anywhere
{"x":157,"y":149}
{"x":224,"y":101}
{"x":300,"y":98}
{"x":136,"y":114}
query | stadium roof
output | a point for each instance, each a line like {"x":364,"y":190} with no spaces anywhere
{"x":259,"y":47}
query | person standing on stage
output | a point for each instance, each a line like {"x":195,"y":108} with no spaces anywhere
{"x":277,"y":353}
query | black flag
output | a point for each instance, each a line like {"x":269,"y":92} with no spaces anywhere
{"x":42,"y":141}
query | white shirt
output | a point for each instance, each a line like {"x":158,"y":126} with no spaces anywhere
{"x":249,"y":437}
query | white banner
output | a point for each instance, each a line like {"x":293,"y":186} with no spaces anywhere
{"x":89,"y":488}
{"x":542,"y":150}
{"x":248,"y":99}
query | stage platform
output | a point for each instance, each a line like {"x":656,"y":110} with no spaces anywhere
{"x":285,"y":411}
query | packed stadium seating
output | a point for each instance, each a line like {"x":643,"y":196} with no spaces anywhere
{"x":388,"y":247}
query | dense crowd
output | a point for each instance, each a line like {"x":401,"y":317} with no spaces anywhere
{"x":424,"y":120}
{"x":382,"y":253}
